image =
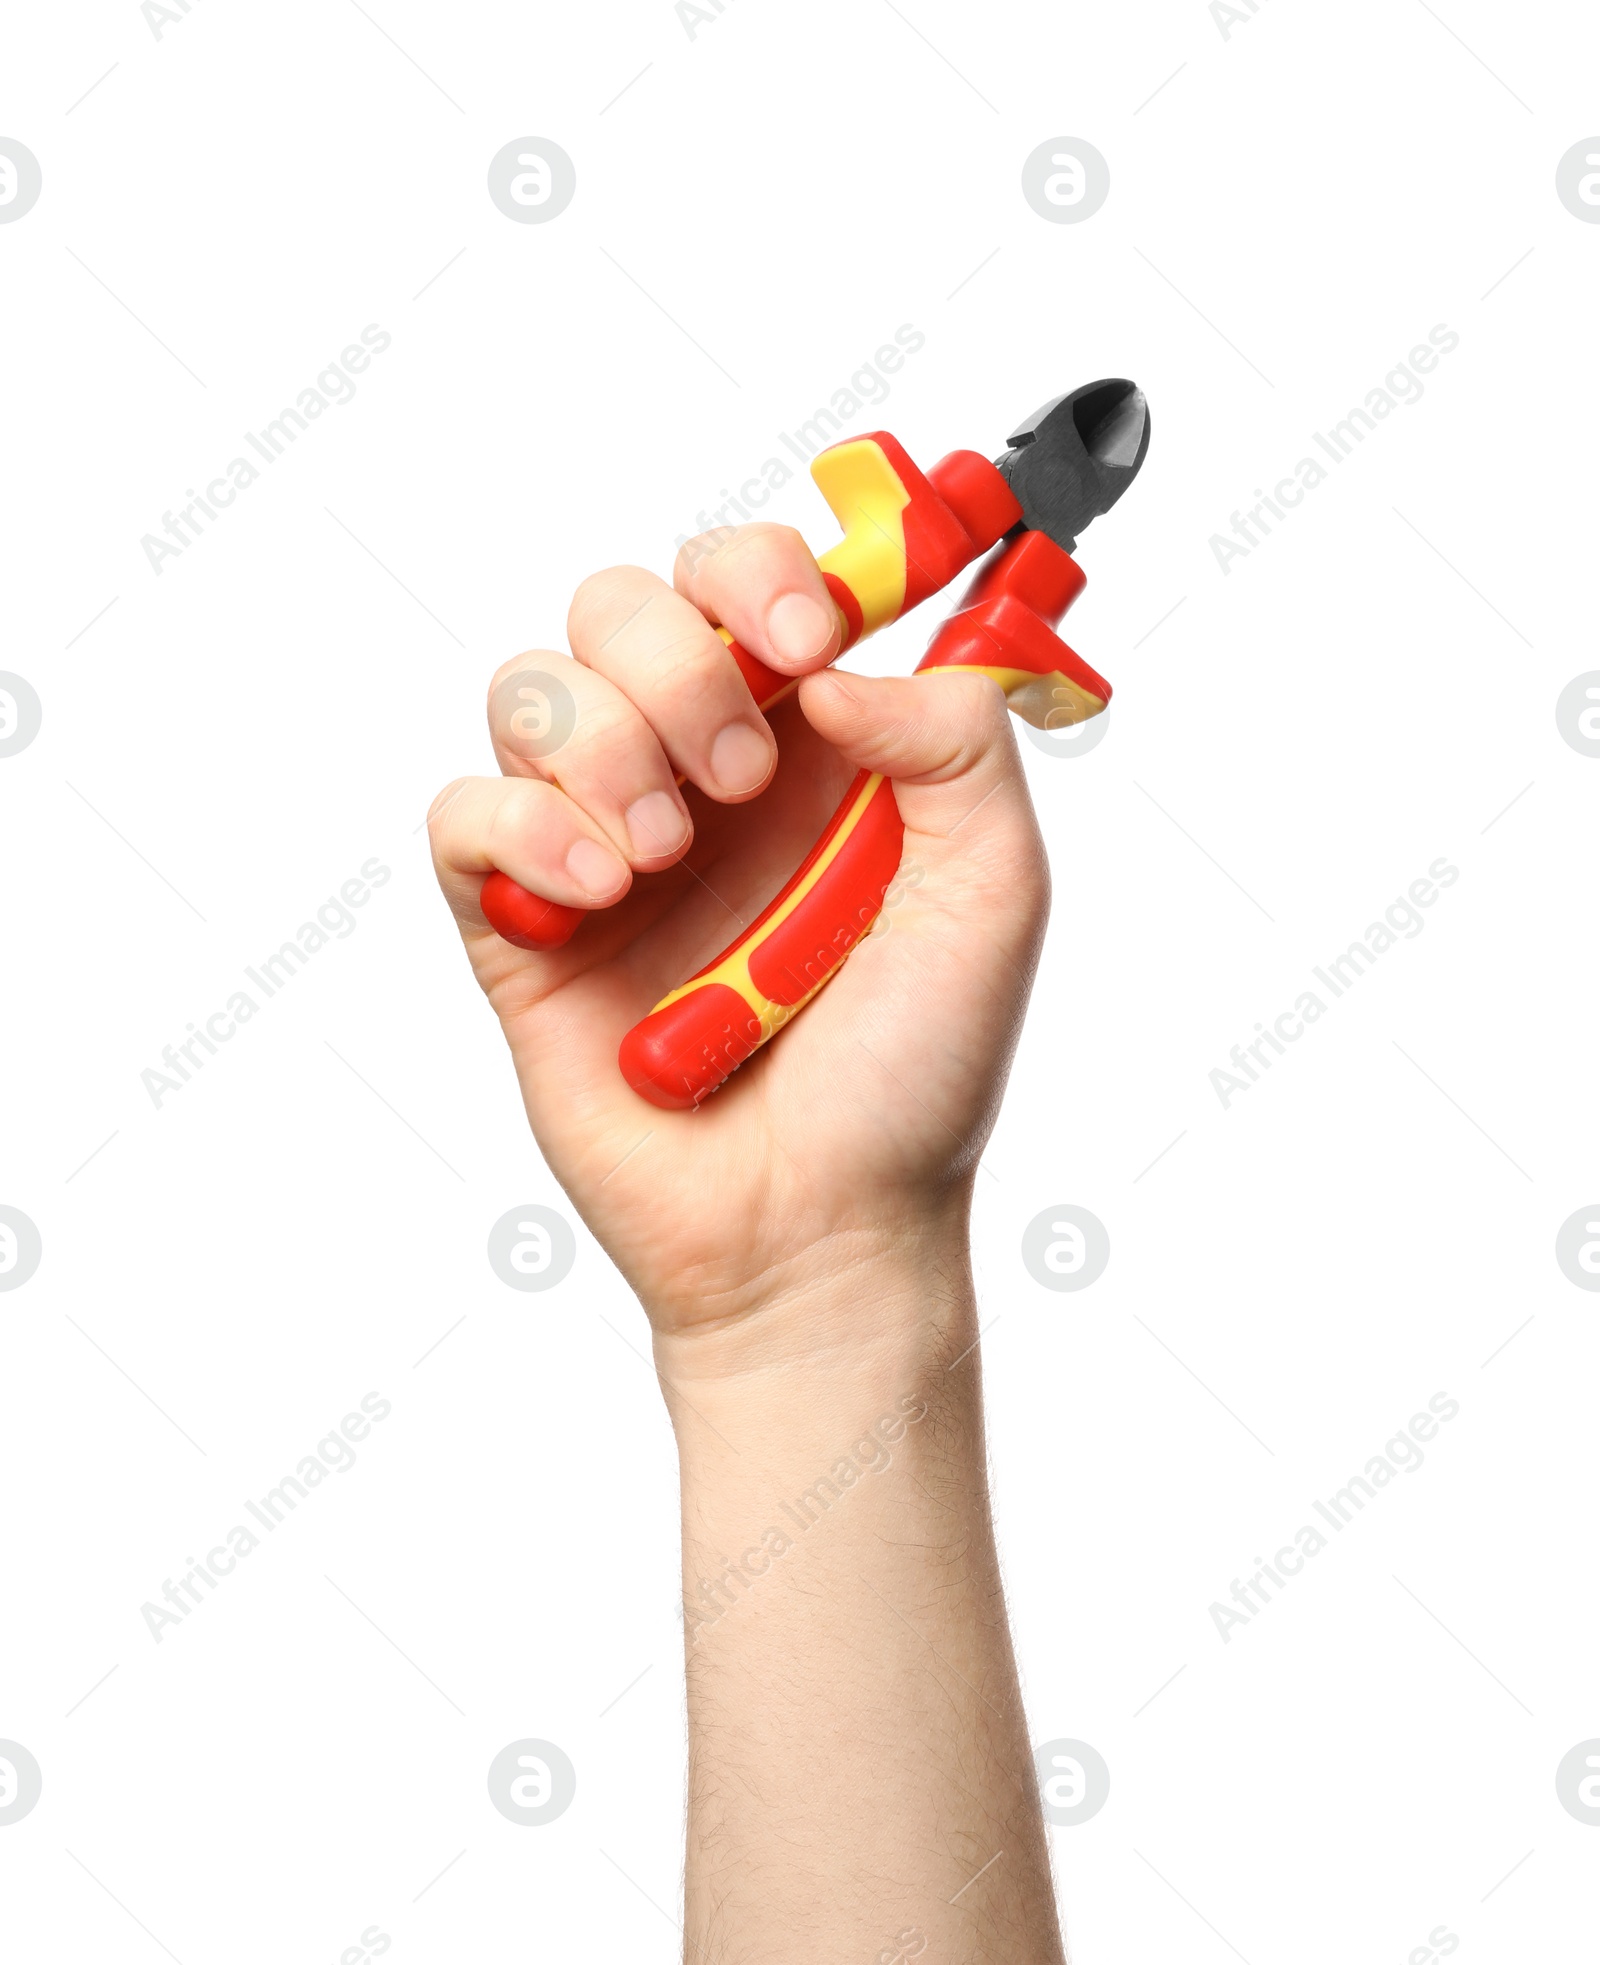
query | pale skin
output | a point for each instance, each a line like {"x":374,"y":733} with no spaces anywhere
{"x":860,"y":1778}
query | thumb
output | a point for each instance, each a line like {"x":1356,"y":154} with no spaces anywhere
{"x":946,"y":741}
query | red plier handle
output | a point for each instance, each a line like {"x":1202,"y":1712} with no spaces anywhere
{"x":907,"y":534}
{"x":702,"y":1032}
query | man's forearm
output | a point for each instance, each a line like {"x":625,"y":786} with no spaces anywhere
{"x":860,"y":1780}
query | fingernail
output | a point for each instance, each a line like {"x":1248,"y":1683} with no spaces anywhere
{"x":656,"y":824}
{"x":596,"y":869}
{"x":741,"y":757}
{"x":799,"y":628}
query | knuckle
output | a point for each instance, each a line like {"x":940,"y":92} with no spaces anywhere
{"x":971,"y":711}
{"x":507,"y":823}
{"x":602,"y":593}
{"x":739,"y":561}
{"x":669,"y":675}
{"x":516,"y":664}
{"x":985,"y":701}
{"x":443,"y":805}
{"x":987,"y":717}
{"x":694,"y":657}
{"x":696,"y":552}
{"x":609,"y":727}
{"x":755,"y":549}
{"x":971,"y":727}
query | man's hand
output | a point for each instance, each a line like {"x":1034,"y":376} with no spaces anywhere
{"x":860,"y":1782}
{"x":861,"y":1124}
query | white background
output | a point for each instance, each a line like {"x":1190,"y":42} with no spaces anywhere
{"x":1298,"y":206}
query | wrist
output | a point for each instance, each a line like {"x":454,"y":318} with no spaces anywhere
{"x":853,"y":1448}
{"x":867,"y":1308}
{"x":778,"y":1419}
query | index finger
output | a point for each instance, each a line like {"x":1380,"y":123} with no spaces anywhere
{"x":762,"y":584}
